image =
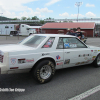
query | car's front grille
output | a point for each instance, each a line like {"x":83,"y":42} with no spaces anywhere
{"x":1,"y":58}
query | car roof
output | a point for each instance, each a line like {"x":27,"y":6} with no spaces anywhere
{"x":54,"y":35}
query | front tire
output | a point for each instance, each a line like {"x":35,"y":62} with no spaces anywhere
{"x":44,"y":71}
{"x":96,"y":62}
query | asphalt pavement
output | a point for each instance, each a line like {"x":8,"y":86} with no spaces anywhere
{"x":66,"y":84}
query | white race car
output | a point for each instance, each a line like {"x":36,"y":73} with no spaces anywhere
{"x":42,"y":54}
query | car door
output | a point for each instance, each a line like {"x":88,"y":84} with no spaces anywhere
{"x":75,"y":52}
{"x":50,"y":49}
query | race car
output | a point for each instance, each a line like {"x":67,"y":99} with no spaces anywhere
{"x":42,"y":54}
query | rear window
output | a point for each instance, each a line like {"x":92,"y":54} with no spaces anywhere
{"x":33,"y":40}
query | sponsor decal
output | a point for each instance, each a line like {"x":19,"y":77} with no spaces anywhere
{"x":80,"y":55}
{"x":29,"y":60}
{"x":73,"y":45}
{"x":84,"y":55}
{"x":60,"y":63}
{"x":58,"y":57}
{"x":82,"y":62}
{"x":95,"y":51}
{"x":13,"y":60}
{"x":45,"y":54}
{"x":93,"y":58}
{"x":48,"y":43}
{"x":67,"y":61}
{"x":91,"y":50}
{"x":46,"y":46}
{"x":20,"y":61}
{"x":66,"y":45}
{"x":86,"y":58}
{"x":77,"y":63}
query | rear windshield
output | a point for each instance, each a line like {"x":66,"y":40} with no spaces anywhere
{"x":33,"y":40}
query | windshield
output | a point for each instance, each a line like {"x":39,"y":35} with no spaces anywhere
{"x":33,"y":40}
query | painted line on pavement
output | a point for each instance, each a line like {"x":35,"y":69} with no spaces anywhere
{"x":86,"y":94}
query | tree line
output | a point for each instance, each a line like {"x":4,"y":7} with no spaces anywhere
{"x":32,"y":18}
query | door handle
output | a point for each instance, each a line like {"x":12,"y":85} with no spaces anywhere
{"x":67,"y":52}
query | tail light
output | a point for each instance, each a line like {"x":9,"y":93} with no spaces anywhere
{"x":1,"y":58}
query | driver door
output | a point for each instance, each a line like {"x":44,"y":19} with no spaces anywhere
{"x":75,"y":52}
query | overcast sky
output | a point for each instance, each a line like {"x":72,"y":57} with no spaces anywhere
{"x":58,"y":9}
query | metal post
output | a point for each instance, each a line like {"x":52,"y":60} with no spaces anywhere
{"x":78,"y":4}
{"x":6,"y":34}
{"x":78,"y":14}
{"x":18,"y":35}
{"x":6,"y":31}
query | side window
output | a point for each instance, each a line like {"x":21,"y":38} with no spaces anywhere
{"x":73,"y":43}
{"x":49,"y":43}
{"x":68,"y":43}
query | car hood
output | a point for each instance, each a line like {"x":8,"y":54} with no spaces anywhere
{"x":14,"y":47}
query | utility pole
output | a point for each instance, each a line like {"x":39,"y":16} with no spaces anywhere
{"x":78,"y":4}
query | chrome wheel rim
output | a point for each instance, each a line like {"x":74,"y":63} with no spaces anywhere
{"x":98,"y":60}
{"x":45,"y":72}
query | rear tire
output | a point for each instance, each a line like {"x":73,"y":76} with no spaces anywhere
{"x":44,"y":71}
{"x":96,"y":62}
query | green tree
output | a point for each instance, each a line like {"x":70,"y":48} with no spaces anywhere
{"x":28,"y":18}
{"x":35,"y":18}
{"x":49,"y":18}
{"x":15,"y":18}
{"x":42,"y":22}
{"x":23,"y":18}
